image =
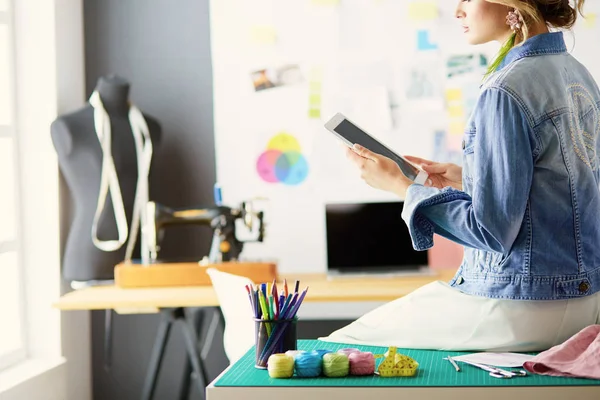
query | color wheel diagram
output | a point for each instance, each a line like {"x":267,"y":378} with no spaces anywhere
{"x":282,"y":161}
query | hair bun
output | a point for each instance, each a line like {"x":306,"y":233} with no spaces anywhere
{"x":560,"y":13}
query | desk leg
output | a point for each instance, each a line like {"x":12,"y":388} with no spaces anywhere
{"x":217,"y":318}
{"x":158,"y":352}
{"x":108,"y":331}
{"x":191,"y":342}
{"x":184,"y":392}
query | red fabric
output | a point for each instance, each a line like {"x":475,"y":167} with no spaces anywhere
{"x":578,"y":357}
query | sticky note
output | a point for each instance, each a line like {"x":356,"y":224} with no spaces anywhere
{"x":263,"y":34}
{"x":456,"y":111}
{"x":457,"y":127}
{"x":314,"y":95}
{"x":424,"y":42}
{"x":590,"y":20}
{"x":453,"y":95}
{"x":423,"y":11}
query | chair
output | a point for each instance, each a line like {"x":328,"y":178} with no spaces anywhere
{"x":238,"y":334}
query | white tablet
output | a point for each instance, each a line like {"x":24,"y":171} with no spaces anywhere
{"x":350,"y":134}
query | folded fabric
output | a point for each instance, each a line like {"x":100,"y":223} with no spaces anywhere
{"x":578,"y":357}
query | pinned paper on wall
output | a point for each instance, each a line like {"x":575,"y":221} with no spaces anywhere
{"x":423,"y":11}
{"x":424,"y":41}
{"x":463,"y":64}
{"x":315,"y":79}
{"x":590,"y":21}
{"x":453,"y":95}
{"x":457,"y":127}
{"x":455,"y":108}
{"x":263,"y":35}
{"x":282,"y":161}
{"x":284,"y":75}
{"x":422,"y":84}
{"x":464,"y":73}
{"x":456,"y":111}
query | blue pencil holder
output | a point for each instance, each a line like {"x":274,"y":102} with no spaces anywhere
{"x":272,"y":337}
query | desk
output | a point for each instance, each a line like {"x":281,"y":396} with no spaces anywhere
{"x":171,"y":302}
{"x":435,"y":379}
{"x":322,"y":290}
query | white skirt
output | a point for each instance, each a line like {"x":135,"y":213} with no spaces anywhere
{"x":438,"y":316}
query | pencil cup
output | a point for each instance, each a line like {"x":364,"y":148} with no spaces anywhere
{"x":272,"y":337}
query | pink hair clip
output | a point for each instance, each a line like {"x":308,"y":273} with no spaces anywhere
{"x":515,"y":20}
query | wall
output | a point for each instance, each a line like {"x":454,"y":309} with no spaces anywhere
{"x":163,"y":49}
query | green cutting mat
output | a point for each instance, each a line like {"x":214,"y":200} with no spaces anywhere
{"x":433,"y":371}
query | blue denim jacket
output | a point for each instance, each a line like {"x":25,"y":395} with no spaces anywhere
{"x":529,"y":212}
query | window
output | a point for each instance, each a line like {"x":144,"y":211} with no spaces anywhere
{"x":12,"y":344}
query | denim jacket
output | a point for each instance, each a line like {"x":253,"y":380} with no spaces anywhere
{"x":529,"y":212}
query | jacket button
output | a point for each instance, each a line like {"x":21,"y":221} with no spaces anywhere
{"x":463,"y":144}
{"x":584,"y":287}
{"x":460,"y":280}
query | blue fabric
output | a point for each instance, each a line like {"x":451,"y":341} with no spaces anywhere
{"x":529,"y":210}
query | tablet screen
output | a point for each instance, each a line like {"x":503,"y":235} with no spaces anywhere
{"x":354,"y":134}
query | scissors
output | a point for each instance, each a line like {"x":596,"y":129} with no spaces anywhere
{"x":498,"y":372}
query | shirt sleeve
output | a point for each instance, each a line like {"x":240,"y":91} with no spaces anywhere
{"x":502,"y":170}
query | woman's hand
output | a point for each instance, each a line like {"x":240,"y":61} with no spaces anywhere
{"x":379,"y":171}
{"x":440,"y":174}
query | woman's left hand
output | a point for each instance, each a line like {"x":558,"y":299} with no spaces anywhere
{"x":379,"y":171}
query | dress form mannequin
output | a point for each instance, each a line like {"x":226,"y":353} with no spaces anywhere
{"x":80,"y":160}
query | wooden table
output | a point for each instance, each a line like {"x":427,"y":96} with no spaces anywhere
{"x":172,"y":302}
{"x":322,"y":289}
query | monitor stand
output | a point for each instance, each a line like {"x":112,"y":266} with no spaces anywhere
{"x":380,"y":273}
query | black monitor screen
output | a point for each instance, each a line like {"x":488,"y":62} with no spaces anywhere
{"x":363,"y":237}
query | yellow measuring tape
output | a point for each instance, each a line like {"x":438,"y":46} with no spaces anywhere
{"x":396,"y":364}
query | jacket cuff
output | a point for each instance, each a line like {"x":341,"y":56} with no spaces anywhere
{"x":421,"y":229}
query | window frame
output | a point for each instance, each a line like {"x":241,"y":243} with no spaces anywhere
{"x":15,"y":245}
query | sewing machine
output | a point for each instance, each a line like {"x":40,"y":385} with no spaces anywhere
{"x":226,"y":246}
{"x":232,"y":227}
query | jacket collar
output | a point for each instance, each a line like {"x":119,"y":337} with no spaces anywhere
{"x":545,"y":43}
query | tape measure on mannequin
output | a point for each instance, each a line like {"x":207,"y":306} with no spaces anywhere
{"x":109,"y":180}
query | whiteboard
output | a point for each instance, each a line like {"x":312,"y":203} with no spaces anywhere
{"x":281,"y":68}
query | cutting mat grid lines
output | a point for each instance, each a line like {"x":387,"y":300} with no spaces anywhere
{"x":433,"y":371}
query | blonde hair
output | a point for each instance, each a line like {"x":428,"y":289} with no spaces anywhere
{"x":554,"y":13}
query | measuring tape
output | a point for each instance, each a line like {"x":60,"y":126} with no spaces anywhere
{"x":396,"y":364}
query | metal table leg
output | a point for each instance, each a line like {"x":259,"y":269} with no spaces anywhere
{"x":191,"y":342}
{"x":168,"y":317}
{"x":108,"y":332}
{"x":158,"y":352}
{"x":184,"y":392}
{"x":216,"y":320}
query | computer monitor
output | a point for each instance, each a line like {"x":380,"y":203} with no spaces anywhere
{"x":370,"y":238}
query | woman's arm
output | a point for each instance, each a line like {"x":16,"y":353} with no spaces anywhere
{"x":502,"y":171}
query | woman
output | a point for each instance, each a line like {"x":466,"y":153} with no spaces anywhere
{"x":525,"y":205}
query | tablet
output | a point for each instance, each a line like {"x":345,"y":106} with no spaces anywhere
{"x":350,"y":134}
